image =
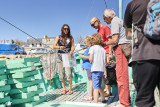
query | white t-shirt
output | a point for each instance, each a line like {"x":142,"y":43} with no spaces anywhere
{"x":99,"y":58}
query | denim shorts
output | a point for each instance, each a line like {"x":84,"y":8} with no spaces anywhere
{"x":97,"y":79}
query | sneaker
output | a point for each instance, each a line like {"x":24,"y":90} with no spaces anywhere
{"x":104,"y":101}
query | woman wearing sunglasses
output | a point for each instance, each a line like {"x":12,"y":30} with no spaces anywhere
{"x":65,"y":44}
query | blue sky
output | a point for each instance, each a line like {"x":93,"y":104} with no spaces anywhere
{"x":46,"y":17}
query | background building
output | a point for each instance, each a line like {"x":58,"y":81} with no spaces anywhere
{"x":39,"y":43}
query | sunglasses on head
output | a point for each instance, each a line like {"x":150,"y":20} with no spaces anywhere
{"x":93,"y":24}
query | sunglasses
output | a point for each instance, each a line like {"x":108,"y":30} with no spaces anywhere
{"x":93,"y":23}
{"x":65,"y":28}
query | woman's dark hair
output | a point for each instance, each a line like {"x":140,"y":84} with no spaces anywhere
{"x":63,"y":34}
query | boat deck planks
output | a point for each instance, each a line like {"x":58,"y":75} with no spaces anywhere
{"x":79,"y":92}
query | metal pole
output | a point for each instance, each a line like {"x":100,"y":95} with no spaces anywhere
{"x":120,"y":9}
{"x":105,"y":3}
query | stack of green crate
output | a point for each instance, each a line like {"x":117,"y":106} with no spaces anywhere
{"x":55,"y":83}
{"x":26,"y":82}
{"x":75,"y":78}
{"x":80,"y":75}
{"x":4,"y":88}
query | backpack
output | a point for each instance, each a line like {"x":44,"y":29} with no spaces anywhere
{"x":111,"y":74}
{"x":152,"y":24}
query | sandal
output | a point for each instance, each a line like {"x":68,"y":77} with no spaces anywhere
{"x":85,"y":98}
{"x":63,"y":92}
{"x":88,"y":98}
{"x":70,"y":91}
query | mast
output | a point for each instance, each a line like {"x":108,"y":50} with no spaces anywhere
{"x":120,"y":9}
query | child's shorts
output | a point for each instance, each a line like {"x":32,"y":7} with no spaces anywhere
{"x":89,"y":74}
{"x":97,"y":79}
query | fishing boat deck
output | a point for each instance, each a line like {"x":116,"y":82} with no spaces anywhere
{"x":55,"y":99}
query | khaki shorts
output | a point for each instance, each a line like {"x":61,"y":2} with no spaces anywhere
{"x":62,"y":71}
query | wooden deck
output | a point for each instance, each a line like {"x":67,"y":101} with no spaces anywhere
{"x":79,"y":92}
{"x":55,"y":99}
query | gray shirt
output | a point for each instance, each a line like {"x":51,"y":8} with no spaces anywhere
{"x":117,"y":28}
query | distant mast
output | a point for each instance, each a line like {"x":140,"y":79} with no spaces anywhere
{"x":120,"y":9}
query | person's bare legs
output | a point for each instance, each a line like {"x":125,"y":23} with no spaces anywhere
{"x":70,"y":84}
{"x":63,"y":84}
{"x":103,"y":83}
{"x":107,"y":90}
{"x":102,"y":94}
{"x":90,"y":96}
{"x":90,"y":88}
{"x":96,"y":95}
